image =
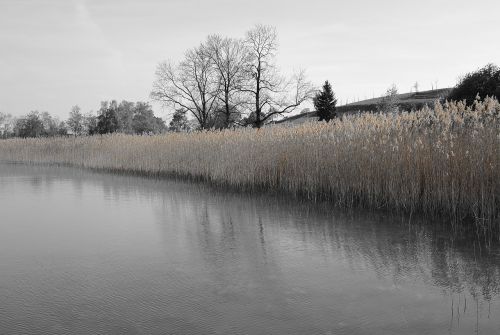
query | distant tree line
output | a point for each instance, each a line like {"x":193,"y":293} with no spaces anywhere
{"x":124,"y":117}
{"x":35,"y":124}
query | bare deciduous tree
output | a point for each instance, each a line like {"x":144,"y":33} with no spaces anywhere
{"x":229,"y":58}
{"x":294,"y":92}
{"x":268,"y":89}
{"x":189,"y":85}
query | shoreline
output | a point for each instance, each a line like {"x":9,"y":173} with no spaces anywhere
{"x":440,"y":163}
{"x":323,"y":205}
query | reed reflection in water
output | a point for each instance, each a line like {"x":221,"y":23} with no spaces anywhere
{"x":85,"y":252}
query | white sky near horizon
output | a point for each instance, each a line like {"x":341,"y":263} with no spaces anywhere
{"x":59,"y":53}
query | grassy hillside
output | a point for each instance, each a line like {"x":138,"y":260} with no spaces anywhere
{"x":414,"y":97}
{"x":407,"y":101}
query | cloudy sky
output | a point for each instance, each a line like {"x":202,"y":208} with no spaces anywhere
{"x":58,"y":53}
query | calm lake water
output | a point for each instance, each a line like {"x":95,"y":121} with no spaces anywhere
{"x":94,"y":253}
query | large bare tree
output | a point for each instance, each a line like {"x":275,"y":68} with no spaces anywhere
{"x":189,"y":85}
{"x":230,"y":59}
{"x":271,"y":93}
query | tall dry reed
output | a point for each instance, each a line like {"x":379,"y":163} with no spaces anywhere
{"x":439,"y":161}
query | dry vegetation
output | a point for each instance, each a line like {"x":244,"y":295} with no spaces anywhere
{"x":439,"y":161}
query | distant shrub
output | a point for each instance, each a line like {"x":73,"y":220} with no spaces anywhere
{"x":107,"y":121}
{"x":483,"y":82}
{"x":179,"y":121}
{"x":389,"y":102}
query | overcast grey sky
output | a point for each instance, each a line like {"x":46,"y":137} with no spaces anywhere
{"x":58,"y":53}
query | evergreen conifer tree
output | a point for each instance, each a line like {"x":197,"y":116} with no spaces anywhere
{"x":325,"y":102}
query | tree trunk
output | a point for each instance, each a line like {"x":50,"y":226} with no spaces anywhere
{"x":257,"y":100}
{"x":228,"y":110}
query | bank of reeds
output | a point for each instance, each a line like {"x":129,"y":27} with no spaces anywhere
{"x":443,"y":160}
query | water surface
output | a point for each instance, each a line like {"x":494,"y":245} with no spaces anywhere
{"x":94,"y":253}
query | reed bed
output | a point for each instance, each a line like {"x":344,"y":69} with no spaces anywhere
{"x":442,"y":161}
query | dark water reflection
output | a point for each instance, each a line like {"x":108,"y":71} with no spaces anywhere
{"x":90,"y":253}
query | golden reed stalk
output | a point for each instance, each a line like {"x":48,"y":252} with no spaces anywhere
{"x":438,"y":161}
